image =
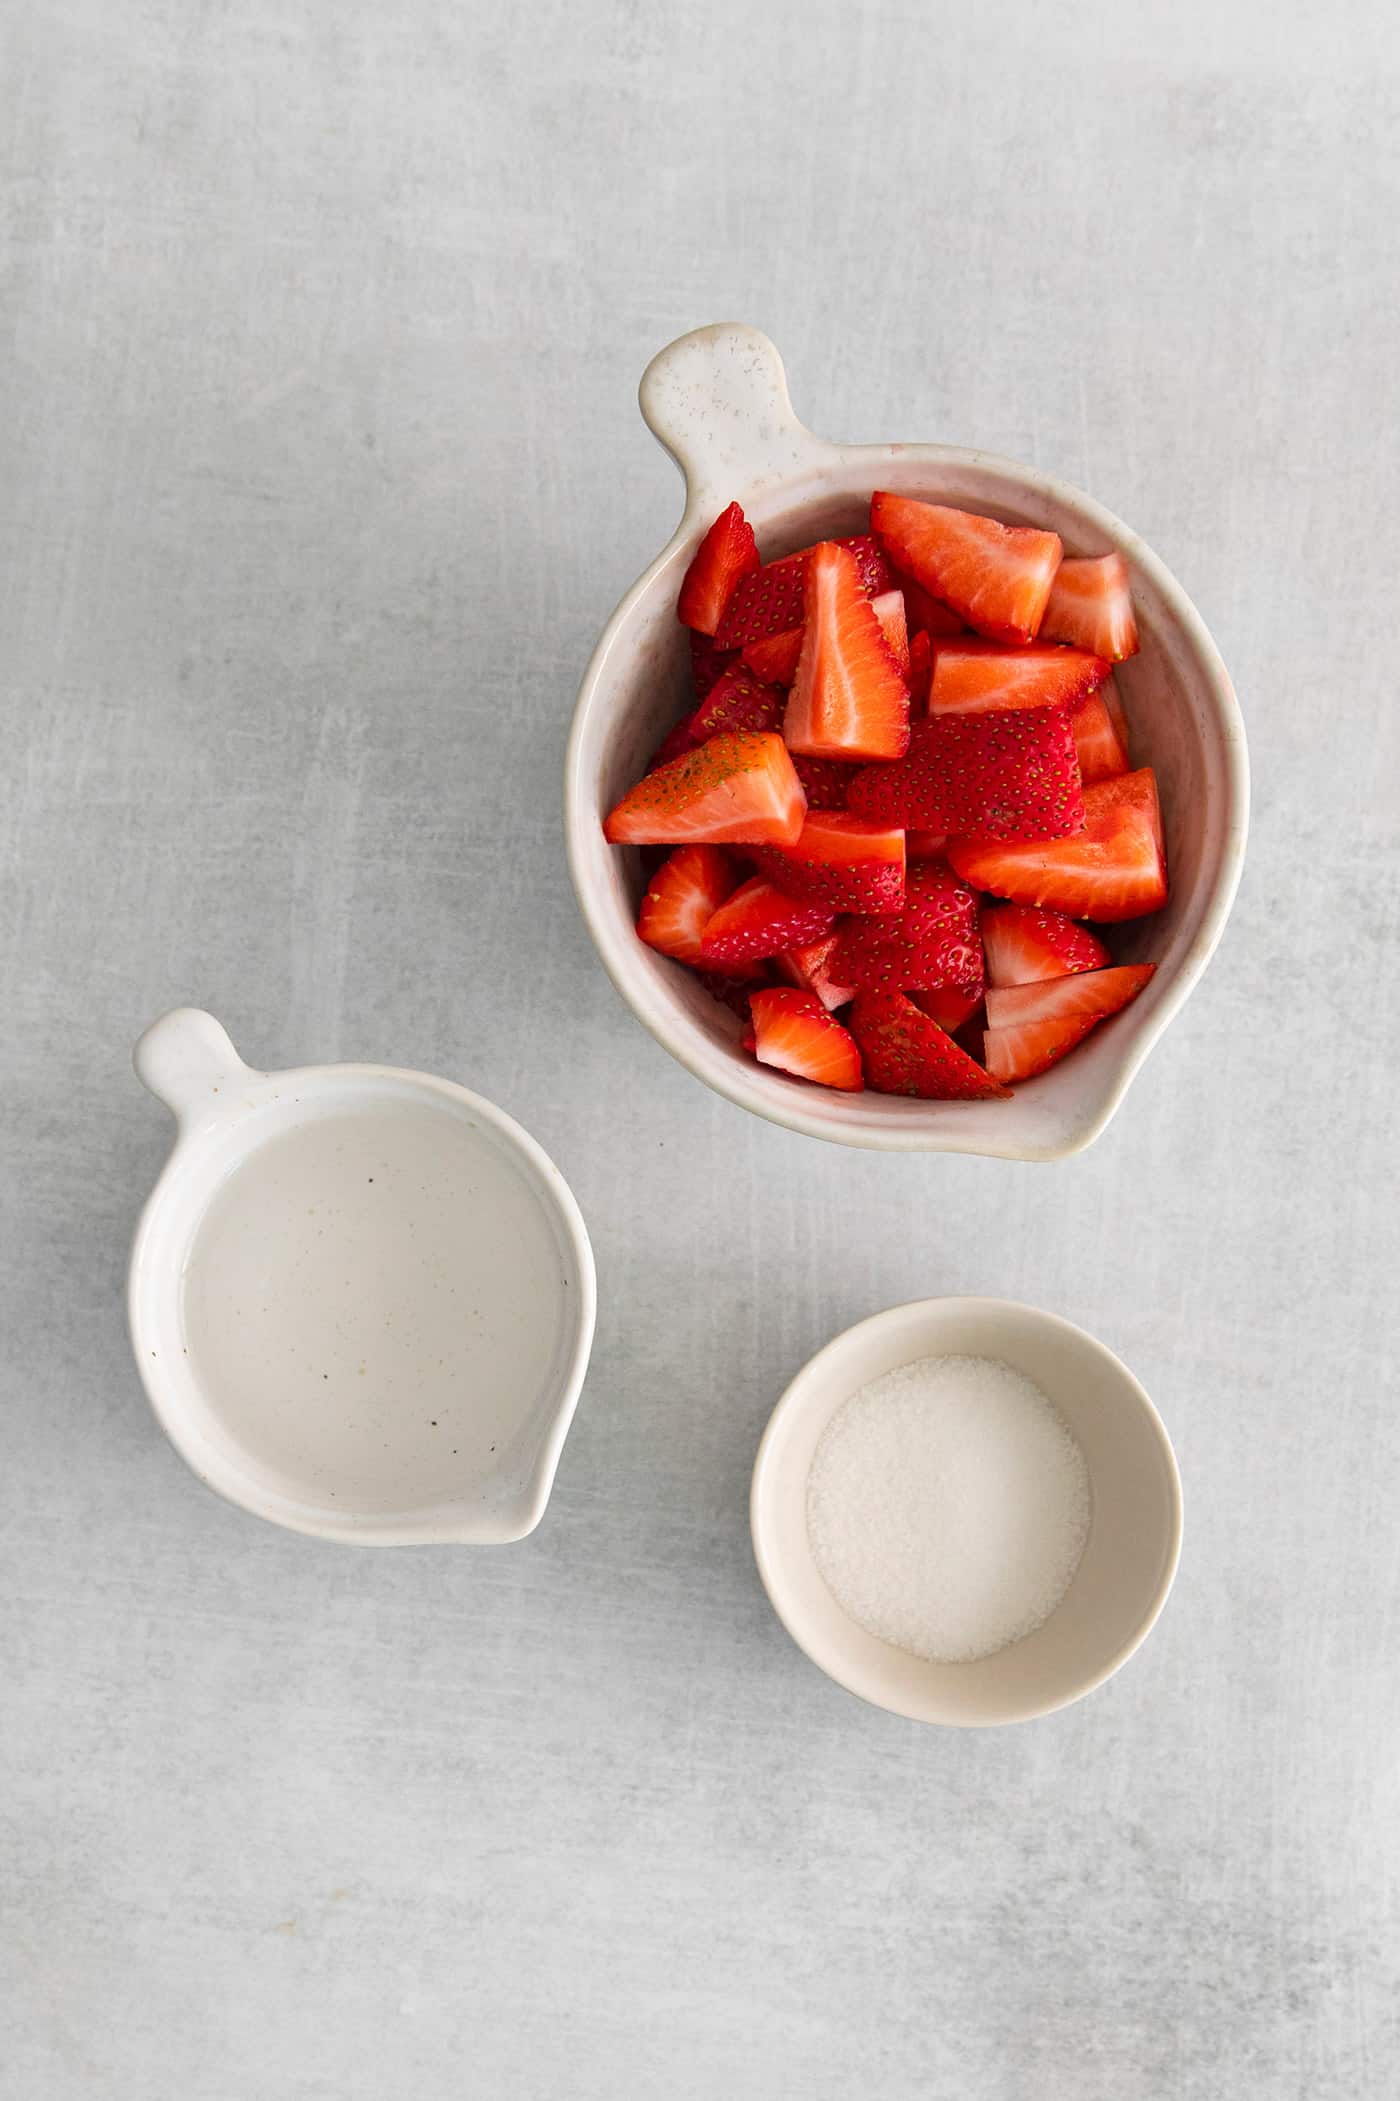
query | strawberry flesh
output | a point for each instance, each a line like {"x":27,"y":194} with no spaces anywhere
{"x":1011,"y":775}
{"x":997,"y":577}
{"x":1091,"y":605}
{"x":809,"y":968}
{"x":970,"y":676}
{"x":727,"y":552}
{"x":771,"y":599}
{"x":1097,"y":744}
{"x":739,"y":788}
{"x":904,"y":1052}
{"x":848,"y":699}
{"x":682,"y":897}
{"x":839,"y":861}
{"x":760,"y":920}
{"x":794,"y":1032}
{"x":1114,"y":869}
{"x":1024,"y":944}
{"x":1031,"y":1027}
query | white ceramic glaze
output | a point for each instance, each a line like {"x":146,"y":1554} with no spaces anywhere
{"x":718,"y":401}
{"x":361,"y":1300}
{"x":1129,"y":1559}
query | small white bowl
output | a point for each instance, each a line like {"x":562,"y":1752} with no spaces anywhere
{"x":361,"y":1300}
{"x":1129,"y":1560}
{"x":718,"y":401}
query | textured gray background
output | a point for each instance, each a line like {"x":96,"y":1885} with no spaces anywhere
{"x":319,"y":470}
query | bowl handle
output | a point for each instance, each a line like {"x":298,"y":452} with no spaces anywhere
{"x":718,"y":401}
{"x":188,"y":1062}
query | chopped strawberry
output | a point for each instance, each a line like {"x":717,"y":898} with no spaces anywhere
{"x":737,"y":701}
{"x":906,"y":1053}
{"x":1024,"y":944}
{"x":1008,"y":776}
{"x":926,"y":614}
{"x":1113,"y":701}
{"x":934,"y":941}
{"x":1099,"y":747}
{"x":760,"y":920}
{"x":998,"y":577}
{"x":1091,"y":605}
{"x":1114,"y":869}
{"x":849,"y":699}
{"x":794,"y":1032}
{"x":682,"y":897}
{"x":920,"y":671}
{"x":888,"y":609}
{"x":727,"y":552}
{"x":1030,"y":1027}
{"x":841,"y":862}
{"x":809,"y":967}
{"x":825,"y":782}
{"x":771,"y":599}
{"x":738,"y":789}
{"x":925,"y":846}
{"x":706,"y":663}
{"x":774,"y":657}
{"x":948,"y":1005}
{"x":972,"y":676}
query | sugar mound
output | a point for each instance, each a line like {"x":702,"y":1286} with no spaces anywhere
{"x":948,"y":1506}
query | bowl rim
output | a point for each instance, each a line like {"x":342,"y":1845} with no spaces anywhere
{"x":804,"y":1390}
{"x":677,"y":1034}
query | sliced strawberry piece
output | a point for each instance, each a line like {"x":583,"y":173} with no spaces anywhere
{"x":1011,"y":775}
{"x":920,"y":671}
{"x":934,"y":941}
{"x":972,"y":676}
{"x":809,"y":967}
{"x":1114,"y":869}
{"x":825,"y":782}
{"x":841,"y":862}
{"x":737,"y":789}
{"x":771,"y":599}
{"x":794,"y":1032}
{"x":682,"y":897}
{"x":905,"y":1053}
{"x":1030,"y":1027}
{"x":926,"y":614}
{"x":707,"y":662}
{"x":727,"y":552}
{"x":1098,"y":746}
{"x":888,"y":609}
{"x":774,"y":657}
{"x":925,"y":846}
{"x":998,"y":577}
{"x":1113,"y":701}
{"x":760,"y":920}
{"x":950,"y":1007}
{"x":1024,"y":944}
{"x":736,"y":701}
{"x":1091,"y":605}
{"x":849,"y":699}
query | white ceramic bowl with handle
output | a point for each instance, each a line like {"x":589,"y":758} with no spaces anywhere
{"x":717,"y":400}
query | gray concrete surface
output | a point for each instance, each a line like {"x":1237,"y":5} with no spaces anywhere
{"x":319,"y":469}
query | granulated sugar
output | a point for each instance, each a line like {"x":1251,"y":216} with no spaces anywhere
{"x":948,"y":1506}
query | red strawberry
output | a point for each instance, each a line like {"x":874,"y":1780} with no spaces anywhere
{"x":1024,"y":944}
{"x":738,"y":789}
{"x":1114,"y":869}
{"x":825,"y":782}
{"x":734,"y":988}
{"x":727,"y":552}
{"x":920,"y":671}
{"x":794,"y":1032}
{"x":997,"y":577}
{"x":678,"y":740}
{"x":906,"y":1053}
{"x":1029,"y":1027}
{"x":888,"y":609}
{"x":840,"y":862}
{"x":810,"y":968}
{"x":934,"y":941}
{"x":849,"y":699}
{"x":774,"y":657}
{"x":706,"y":663}
{"x":760,"y":920}
{"x":737,"y":701}
{"x":972,"y":676}
{"x":1113,"y":701}
{"x":772,"y":598}
{"x":926,"y":846}
{"x":1091,"y":605}
{"x":948,"y":1006}
{"x":926,"y":614}
{"x":1097,"y":744}
{"x":1007,"y":776}
{"x":682,"y":897}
